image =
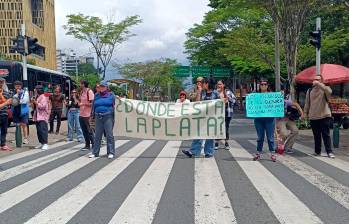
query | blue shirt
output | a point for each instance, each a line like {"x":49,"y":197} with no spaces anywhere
{"x":104,"y":102}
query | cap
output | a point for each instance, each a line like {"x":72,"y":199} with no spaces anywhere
{"x":103,"y":83}
{"x":183,"y":93}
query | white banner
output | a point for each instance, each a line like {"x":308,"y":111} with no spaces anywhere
{"x":170,"y":121}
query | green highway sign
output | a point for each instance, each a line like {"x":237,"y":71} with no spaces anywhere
{"x":204,"y":71}
{"x":221,"y":72}
{"x":182,"y":71}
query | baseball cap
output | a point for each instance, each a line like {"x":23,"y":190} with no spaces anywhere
{"x":103,"y":83}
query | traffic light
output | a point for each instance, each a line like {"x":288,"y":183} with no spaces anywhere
{"x":32,"y":45}
{"x":316,"y":41}
{"x":18,"y":45}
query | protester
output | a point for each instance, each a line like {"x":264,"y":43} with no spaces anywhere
{"x":5,"y":101}
{"x":86,"y":98}
{"x":21,"y":109}
{"x":209,"y":94}
{"x":229,"y":100}
{"x":318,"y":111}
{"x":41,"y":116}
{"x":56,"y":99}
{"x":193,"y":95}
{"x":293,"y":112}
{"x":73,"y":117}
{"x":182,"y":97}
{"x":264,"y":125}
{"x":103,"y":107}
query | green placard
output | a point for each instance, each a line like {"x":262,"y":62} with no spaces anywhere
{"x":182,"y":71}
{"x":203,"y":71}
{"x":221,"y":72}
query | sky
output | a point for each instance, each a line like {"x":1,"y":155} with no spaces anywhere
{"x":160,"y":35}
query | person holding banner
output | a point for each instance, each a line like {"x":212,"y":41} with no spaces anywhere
{"x":103,"y":107}
{"x":264,"y":125}
{"x":182,"y":97}
{"x":208,"y":94}
{"x":229,"y":100}
{"x":194,"y":95}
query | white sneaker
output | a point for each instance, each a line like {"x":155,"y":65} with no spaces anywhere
{"x":110,"y":156}
{"x":92,"y":156}
{"x":25,"y":141}
{"x":44,"y":147}
{"x":38,"y":146}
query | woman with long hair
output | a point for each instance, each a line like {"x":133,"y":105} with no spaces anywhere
{"x":264,"y":125}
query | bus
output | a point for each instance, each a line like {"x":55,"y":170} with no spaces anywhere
{"x":13,"y":71}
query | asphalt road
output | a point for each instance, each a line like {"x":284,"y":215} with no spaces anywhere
{"x":153,"y":182}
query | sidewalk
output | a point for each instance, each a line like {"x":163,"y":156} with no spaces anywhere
{"x":33,"y":140}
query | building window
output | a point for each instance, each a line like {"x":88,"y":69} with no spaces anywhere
{"x":37,"y":13}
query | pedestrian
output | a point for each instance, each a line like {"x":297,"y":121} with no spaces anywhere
{"x":265,"y":125}
{"x":103,"y":107}
{"x":318,"y":111}
{"x":229,"y":100}
{"x":193,"y":96}
{"x":57,"y":100}
{"x":20,"y":109}
{"x":293,"y":112}
{"x":86,"y":98}
{"x":208,"y":94}
{"x":182,"y":97}
{"x":73,"y":117}
{"x":5,"y":101}
{"x":41,"y":116}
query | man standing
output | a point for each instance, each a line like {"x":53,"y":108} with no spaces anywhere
{"x":4,"y":102}
{"x":57,"y":99}
{"x":21,"y":109}
{"x":86,"y":98}
{"x":318,"y":111}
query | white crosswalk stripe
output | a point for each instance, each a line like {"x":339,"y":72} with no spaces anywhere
{"x":284,"y":204}
{"x":211,"y":202}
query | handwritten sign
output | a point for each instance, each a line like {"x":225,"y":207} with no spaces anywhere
{"x":265,"y":105}
{"x":170,"y":121}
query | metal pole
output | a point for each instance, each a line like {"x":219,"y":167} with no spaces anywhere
{"x":277,"y":58}
{"x":24,"y":58}
{"x":318,"y":55}
{"x":169,"y":91}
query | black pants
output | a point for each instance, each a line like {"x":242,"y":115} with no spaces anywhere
{"x":3,"y":129}
{"x":42,"y":131}
{"x":321,"y":128}
{"x":227,"y":123}
{"x":55,"y":114}
{"x":86,"y":131}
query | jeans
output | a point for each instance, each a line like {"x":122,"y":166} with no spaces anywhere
{"x":3,"y":129}
{"x":104,"y":123}
{"x":227,"y":124}
{"x":196,"y":147}
{"x":42,"y":131}
{"x":321,"y":128}
{"x":55,"y":113}
{"x":86,"y":131}
{"x":265,"y":125}
{"x":73,"y":122}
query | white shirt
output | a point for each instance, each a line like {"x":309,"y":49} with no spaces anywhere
{"x":185,"y":101}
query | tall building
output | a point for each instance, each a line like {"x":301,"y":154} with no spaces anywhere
{"x":68,"y":61}
{"x":39,"y":19}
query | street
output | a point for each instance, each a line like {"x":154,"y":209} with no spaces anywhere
{"x":153,"y":182}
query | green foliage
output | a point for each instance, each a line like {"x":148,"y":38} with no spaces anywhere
{"x":155,"y":75}
{"x":92,"y":79}
{"x":104,"y":37}
{"x":117,"y":90}
{"x":86,"y":68}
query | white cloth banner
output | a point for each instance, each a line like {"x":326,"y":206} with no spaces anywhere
{"x":170,"y":121}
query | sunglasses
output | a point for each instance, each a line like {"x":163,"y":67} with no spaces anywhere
{"x":263,"y":84}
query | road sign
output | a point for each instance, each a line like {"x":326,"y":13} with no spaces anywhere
{"x":203,"y":71}
{"x":221,"y":72}
{"x":182,"y":71}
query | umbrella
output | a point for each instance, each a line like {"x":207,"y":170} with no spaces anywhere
{"x":331,"y":74}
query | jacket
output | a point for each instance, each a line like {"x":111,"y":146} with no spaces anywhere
{"x":316,"y":102}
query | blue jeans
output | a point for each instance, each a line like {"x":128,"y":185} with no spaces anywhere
{"x":73,"y":121}
{"x":196,"y":147}
{"x":265,"y":125}
{"x":104,"y":123}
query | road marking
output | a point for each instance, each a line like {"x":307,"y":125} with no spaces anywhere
{"x":338,"y":163}
{"x":62,"y":210}
{"x":22,"y":192}
{"x":7,"y":174}
{"x":29,"y":152}
{"x":212,"y":204}
{"x":141,"y":204}
{"x":283,"y":203}
{"x":326,"y":184}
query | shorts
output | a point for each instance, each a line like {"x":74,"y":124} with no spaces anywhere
{"x":21,"y":120}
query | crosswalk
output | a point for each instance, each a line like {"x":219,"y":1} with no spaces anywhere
{"x":151,"y":181}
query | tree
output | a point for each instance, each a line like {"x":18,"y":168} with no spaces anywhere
{"x":104,"y":38}
{"x":155,"y":75}
{"x":86,"y":68}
